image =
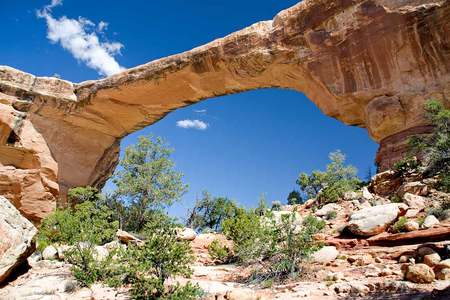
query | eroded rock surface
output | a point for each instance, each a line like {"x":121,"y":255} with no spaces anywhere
{"x":16,"y":234}
{"x":369,"y":63}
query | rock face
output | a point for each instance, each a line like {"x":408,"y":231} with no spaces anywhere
{"x":368,"y":63}
{"x":16,"y":234}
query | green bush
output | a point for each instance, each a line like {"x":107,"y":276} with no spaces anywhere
{"x":81,"y":194}
{"x":253,"y":240}
{"x":293,"y":248}
{"x":162,"y":256}
{"x":218,"y":252}
{"x":87,"y":222}
{"x":399,"y":226}
{"x":209,"y":213}
{"x":444,"y":182}
{"x":396,"y":199}
{"x":329,"y":186}
{"x":276,"y":206}
{"x":294,"y":197}
{"x":331,"y":215}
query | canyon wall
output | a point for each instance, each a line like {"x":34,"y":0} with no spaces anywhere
{"x":367,"y":63}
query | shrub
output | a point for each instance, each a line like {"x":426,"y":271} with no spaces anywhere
{"x":444,"y":182}
{"x":331,"y":215}
{"x":396,"y":199}
{"x":293,"y":248}
{"x":87,"y":222}
{"x":407,"y":165}
{"x":80,"y":194}
{"x":253,"y":239}
{"x":162,"y":256}
{"x":219,"y":253}
{"x":330,"y":185}
{"x":209,"y":213}
{"x":399,"y":226}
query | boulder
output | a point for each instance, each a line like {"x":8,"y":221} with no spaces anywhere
{"x":442,"y":270}
{"x":430,"y":221}
{"x":186,"y":234}
{"x":414,"y":201}
{"x":385,"y":183}
{"x":431,"y":259}
{"x":326,"y":209}
{"x":411,"y":213}
{"x":325,"y":255}
{"x":16,"y":238}
{"x":415,"y":188}
{"x":374,"y":220}
{"x":411,"y":225}
{"x":366,"y":194}
{"x":100,"y":253}
{"x":420,"y":273}
{"x":127,"y":238}
{"x":50,"y":253}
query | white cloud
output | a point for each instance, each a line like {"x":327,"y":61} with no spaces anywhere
{"x":194,"y":124}
{"x":80,"y":39}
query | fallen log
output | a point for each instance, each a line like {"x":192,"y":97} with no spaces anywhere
{"x":435,"y":234}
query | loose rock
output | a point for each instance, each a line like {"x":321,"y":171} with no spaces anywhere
{"x":420,"y":273}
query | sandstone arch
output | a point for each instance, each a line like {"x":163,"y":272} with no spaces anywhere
{"x":368,"y":63}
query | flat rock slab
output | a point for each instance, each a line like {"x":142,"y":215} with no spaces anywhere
{"x":420,"y":236}
{"x":16,"y":235}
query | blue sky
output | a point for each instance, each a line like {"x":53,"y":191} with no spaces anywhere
{"x":255,"y":142}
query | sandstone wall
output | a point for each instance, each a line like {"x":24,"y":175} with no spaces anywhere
{"x":368,"y":63}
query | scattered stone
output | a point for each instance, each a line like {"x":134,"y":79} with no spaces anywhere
{"x":411,"y":225}
{"x":326,"y":209}
{"x":16,"y":238}
{"x":415,"y":188}
{"x":366,"y":194}
{"x":351,"y":196}
{"x":186,"y":234}
{"x":62,"y":249}
{"x":385,"y":183}
{"x":309,"y":203}
{"x":325,"y":255}
{"x":358,"y":289}
{"x":241,"y":294}
{"x":50,"y":253}
{"x":420,"y":273}
{"x":431,"y":259}
{"x":34,"y":258}
{"x":411,"y":213}
{"x":414,"y":201}
{"x":374,"y":220}
{"x":386,"y":272}
{"x":430,"y":221}
{"x":127,"y":238}
{"x":442,"y":270}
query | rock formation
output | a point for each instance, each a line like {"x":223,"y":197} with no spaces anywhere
{"x":368,"y":63}
{"x":16,"y":238}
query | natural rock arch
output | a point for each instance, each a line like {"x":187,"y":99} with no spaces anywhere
{"x":368,"y":63}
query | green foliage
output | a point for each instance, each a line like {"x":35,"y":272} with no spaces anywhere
{"x":407,"y":165}
{"x":331,"y":215}
{"x":88,"y":267}
{"x":294,"y":197}
{"x":209,"y":213}
{"x":81,"y":194}
{"x":262,"y":209}
{"x":276,"y":206}
{"x":444,"y":182}
{"x":330,"y":186}
{"x":218,"y":252}
{"x":434,"y":149}
{"x":162,"y":256}
{"x":396,"y":199}
{"x":87,"y":222}
{"x":146,"y":181}
{"x":252,"y":239}
{"x":399,"y":226}
{"x":293,"y":248}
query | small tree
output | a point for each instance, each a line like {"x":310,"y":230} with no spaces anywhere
{"x":434,"y":149}
{"x":82,"y":194}
{"x":162,"y":256}
{"x":209,"y":212}
{"x":330,"y":185}
{"x":146,"y":181}
{"x":294,"y":197}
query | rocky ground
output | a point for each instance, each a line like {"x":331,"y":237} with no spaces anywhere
{"x":364,"y":256}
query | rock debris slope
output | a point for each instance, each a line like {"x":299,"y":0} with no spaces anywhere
{"x":368,"y":63}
